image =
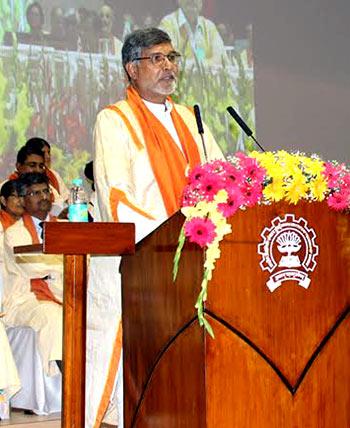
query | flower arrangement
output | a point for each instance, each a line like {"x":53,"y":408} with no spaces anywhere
{"x":217,"y":189}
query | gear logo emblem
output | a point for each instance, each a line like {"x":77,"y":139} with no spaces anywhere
{"x":288,"y":251}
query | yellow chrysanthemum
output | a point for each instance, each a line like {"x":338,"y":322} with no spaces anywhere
{"x":312,"y":166}
{"x":296,"y":189}
{"x":275,"y":191}
{"x":318,"y":188}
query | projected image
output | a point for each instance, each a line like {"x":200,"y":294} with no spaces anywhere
{"x":59,"y":65}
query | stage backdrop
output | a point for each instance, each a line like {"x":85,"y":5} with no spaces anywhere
{"x":283,"y":63}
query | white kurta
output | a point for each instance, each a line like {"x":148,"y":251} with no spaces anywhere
{"x":20,"y":305}
{"x":203,"y":43}
{"x":120,"y":164}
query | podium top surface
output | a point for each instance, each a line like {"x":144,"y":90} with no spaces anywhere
{"x":84,"y":238}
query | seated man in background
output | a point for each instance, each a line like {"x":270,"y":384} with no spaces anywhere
{"x":11,"y":211}
{"x":33,"y":283}
{"x":59,"y":190}
{"x":31,"y":158}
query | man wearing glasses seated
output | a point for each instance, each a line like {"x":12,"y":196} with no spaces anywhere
{"x":143,"y":148}
{"x":33,"y":283}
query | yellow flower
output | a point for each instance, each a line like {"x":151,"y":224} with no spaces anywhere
{"x":275,"y":191}
{"x":312,"y":166}
{"x":318,"y":188}
{"x":220,"y":197}
{"x":296,"y":189}
{"x":212,"y":253}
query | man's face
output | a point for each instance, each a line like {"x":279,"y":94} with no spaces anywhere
{"x":35,"y":18}
{"x":191,"y":8}
{"x":13,"y":204}
{"x":106,"y":16}
{"x":154,"y":82}
{"x":33,"y":163}
{"x":37,"y":200}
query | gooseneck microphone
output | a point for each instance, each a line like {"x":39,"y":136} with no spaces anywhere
{"x":200,"y":128}
{"x":243,"y":126}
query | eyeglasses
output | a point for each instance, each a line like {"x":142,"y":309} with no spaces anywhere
{"x":45,"y":192}
{"x":158,"y":58}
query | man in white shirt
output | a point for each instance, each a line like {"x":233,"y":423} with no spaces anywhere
{"x":33,"y":283}
{"x":143,"y":148}
{"x":196,"y":37}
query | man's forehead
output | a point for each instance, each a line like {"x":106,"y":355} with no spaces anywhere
{"x":35,"y":158}
{"x":164,"y":48}
{"x":38,"y":186}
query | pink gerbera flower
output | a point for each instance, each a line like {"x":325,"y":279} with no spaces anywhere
{"x":200,"y":231}
{"x":196,"y":174}
{"x":233,"y":177}
{"x":339,"y":201}
{"x":252,"y":194}
{"x":234,"y":201}
{"x":210,"y":184}
{"x":332,"y":173}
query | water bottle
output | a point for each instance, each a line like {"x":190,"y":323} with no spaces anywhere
{"x":78,"y":202}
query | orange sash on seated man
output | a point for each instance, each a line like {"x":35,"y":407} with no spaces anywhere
{"x":38,"y":286}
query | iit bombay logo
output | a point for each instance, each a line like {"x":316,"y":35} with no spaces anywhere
{"x":288,"y":251}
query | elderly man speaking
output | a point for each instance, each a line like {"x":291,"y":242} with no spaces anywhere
{"x":144,"y":146}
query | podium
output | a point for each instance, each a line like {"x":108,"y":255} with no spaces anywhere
{"x":280,"y":357}
{"x":75,"y":241}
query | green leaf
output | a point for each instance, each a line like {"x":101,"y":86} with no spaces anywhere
{"x":178,"y":253}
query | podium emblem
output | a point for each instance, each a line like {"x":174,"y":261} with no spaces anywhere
{"x":288,"y":251}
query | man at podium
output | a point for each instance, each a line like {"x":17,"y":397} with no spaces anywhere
{"x":143,"y":148}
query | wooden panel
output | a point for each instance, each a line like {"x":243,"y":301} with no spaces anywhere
{"x":244,"y":391}
{"x":175,"y":394}
{"x":89,"y":238}
{"x":291,"y":315}
{"x":154,"y":308}
{"x":289,"y":326}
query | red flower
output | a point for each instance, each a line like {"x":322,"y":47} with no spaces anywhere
{"x":200,"y":231}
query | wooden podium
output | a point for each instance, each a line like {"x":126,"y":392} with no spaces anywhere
{"x":280,"y":359}
{"x":75,"y":241}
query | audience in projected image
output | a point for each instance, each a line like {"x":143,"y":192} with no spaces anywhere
{"x":96,"y":31}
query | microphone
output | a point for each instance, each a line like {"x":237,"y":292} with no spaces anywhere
{"x":200,"y":128}
{"x":243,"y":126}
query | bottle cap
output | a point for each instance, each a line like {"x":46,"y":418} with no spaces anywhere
{"x":77,"y":181}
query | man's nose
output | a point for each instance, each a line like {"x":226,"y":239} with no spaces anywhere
{"x":168,"y":65}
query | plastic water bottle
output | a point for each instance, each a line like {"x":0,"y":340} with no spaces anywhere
{"x":78,"y":202}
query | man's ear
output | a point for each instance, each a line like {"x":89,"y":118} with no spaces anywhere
{"x":132,"y":70}
{"x":3,"y":200}
{"x":18,"y":166}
